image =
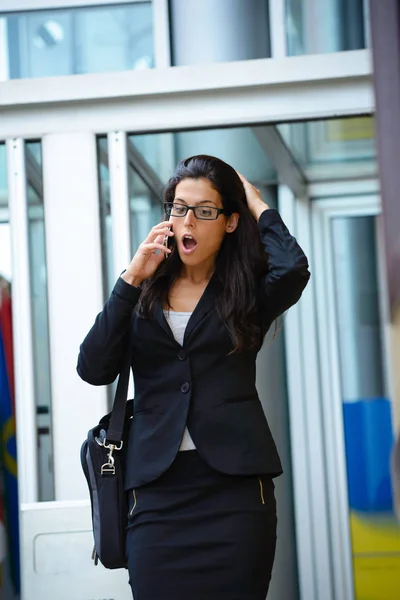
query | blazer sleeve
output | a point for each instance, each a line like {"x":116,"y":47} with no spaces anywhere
{"x":101,"y":352}
{"x":288,"y":272}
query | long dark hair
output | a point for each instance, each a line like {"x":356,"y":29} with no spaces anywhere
{"x":240,"y":263}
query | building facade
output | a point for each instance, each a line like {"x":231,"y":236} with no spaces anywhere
{"x":99,"y":99}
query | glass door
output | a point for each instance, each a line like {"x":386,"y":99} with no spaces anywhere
{"x":357,"y":405}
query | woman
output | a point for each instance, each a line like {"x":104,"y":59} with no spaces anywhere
{"x":193,"y":313}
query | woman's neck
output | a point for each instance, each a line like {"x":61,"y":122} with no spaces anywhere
{"x":197,"y":274}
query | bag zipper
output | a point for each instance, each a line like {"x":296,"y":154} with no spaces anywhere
{"x":261,"y":490}
{"x":134,"y":502}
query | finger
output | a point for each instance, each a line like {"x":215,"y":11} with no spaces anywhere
{"x":242,"y":178}
{"x":159,"y":232}
{"x":152,"y":247}
{"x":163,"y":224}
{"x":162,"y":228}
{"x":246,"y":184}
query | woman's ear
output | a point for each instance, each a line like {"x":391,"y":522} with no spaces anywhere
{"x":232,"y":222}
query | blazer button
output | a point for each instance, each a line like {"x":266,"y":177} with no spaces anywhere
{"x":182,"y":354}
{"x":185,"y":387}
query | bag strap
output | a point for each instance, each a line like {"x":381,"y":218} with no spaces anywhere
{"x":117,"y":418}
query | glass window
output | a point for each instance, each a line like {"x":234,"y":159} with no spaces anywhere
{"x":213,"y":31}
{"x":38,"y":286}
{"x":78,"y":40}
{"x":333,"y":148}
{"x":145,"y":189}
{"x":145,"y":208}
{"x":105,"y":215}
{"x":318,"y":26}
{"x":237,"y":146}
{"x":41,"y":343}
{"x":368,"y":409}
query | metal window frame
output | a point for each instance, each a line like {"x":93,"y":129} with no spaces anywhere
{"x":277,"y":151}
{"x":161,"y":32}
{"x":306,"y":431}
{"x":12,"y":6}
{"x":3,"y":54}
{"x":274,"y":90}
{"x":119,"y":200}
{"x":319,"y":468}
{"x":73,"y":248}
{"x":303,"y":507}
{"x":328,"y":344}
{"x":277,"y":28}
{"x":22,"y":322}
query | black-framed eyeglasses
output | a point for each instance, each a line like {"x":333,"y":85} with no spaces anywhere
{"x":206,"y":213}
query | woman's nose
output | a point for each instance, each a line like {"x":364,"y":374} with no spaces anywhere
{"x":190,"y":218}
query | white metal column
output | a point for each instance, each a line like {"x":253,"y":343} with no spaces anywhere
{"x":75,"y":295}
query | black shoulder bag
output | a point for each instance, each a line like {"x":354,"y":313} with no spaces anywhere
{"x":103,"y":456}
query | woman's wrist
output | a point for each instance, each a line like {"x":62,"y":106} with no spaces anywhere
{"x":132,"y":279}
{"x":258,"y":209}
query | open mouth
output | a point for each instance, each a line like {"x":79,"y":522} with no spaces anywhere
{"x":189,"y":243}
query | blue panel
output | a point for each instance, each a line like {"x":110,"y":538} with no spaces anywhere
{"x":369,"y":440}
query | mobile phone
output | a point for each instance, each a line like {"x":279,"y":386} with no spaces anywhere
{"x":165,"y":241}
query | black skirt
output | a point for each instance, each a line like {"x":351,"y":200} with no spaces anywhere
{"x":199,"y":534}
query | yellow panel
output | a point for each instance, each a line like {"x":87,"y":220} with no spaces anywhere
{"x":347,"y":130}
{"x":374,"y":534}
{"x":377,"y":578}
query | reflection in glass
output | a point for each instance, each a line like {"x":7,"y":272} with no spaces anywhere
{"x":333,"y":148}
{"x":358,"y":308}
{"x":146,"y":209}
{"x":40,"y":324}
{"x":238,"y":146}
{"x":145,"y":190}
{"x":79,"y":40}
{"x":320,"y":26}
{"x":105,"y":216}
{"x":158,"y":152}
{"x":367,"y":408}
{"x":218,"y":31}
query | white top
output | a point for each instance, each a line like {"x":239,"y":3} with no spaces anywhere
{"x":177,"y":322}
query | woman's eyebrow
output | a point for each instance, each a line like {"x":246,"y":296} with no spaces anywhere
{"x":200,"y":201}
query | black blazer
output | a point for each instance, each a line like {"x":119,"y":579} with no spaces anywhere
{"x":198,"y":384}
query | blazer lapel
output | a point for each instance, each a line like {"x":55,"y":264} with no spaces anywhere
{"x":161,"y":320}
{"x":203,"y":307}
